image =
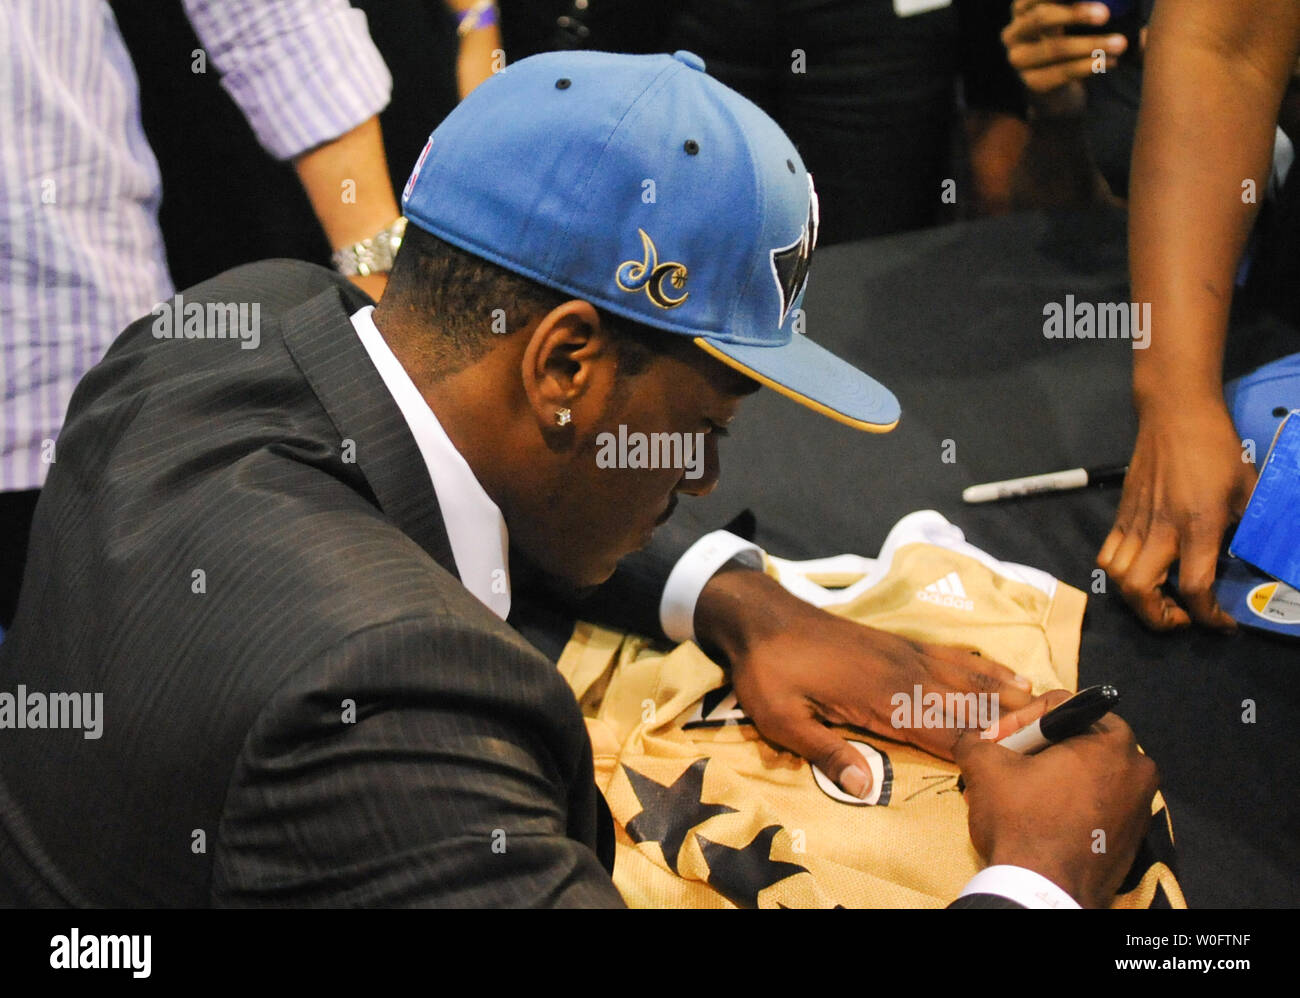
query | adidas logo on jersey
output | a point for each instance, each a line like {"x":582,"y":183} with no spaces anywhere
{"x":948,"y":591}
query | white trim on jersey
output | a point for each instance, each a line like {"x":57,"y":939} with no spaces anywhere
{"x":925,"y":526}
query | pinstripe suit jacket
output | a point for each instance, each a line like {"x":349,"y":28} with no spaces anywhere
{"x":302,"y":704}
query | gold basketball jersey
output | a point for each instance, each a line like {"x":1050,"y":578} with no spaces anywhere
{"x":710,"y":814}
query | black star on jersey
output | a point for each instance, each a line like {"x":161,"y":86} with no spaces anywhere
{"x":740,"y":874}
{"x":790,"y":263}
{"x":668,"y":813}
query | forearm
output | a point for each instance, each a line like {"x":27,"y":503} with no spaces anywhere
{"x":1057,"y":169}
{"x":348,"y":185}
{"x":476,"y":58}
{"x":997,"y":143}
{"x":477,"y":50}
{"x":1214,"y":78}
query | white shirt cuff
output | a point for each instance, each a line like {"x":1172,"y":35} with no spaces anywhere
{"x":691,"y":574}
{"x":1015,"y":883}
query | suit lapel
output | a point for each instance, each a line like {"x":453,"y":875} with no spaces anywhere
{"x":321,"y":339}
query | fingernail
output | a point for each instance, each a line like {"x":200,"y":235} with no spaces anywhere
{"x":1023,"y":683}
{"x":1115,"y":42}
{"x":855,"y":782}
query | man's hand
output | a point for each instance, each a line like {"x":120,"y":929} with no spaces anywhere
{"x":795,"y":667}
{"x":1056,"y":167}
{"x":1051,"y":63}
{"x":1186,"y":483}
{"x":1076,"y":812}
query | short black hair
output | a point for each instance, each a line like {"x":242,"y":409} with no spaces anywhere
{"x":470,"y":301}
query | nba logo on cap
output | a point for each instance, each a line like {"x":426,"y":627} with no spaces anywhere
{"x":410,"y":183}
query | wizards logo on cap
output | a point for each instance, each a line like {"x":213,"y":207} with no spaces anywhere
{"x":649,"y":275}
{"x":790,"y":263}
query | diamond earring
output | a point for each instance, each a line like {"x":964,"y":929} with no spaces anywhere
{"x":563,"y":417}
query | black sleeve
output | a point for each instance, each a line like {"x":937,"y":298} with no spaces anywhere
{"x":462,"y":777}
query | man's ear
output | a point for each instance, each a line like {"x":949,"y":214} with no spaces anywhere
{"x":569,"y":362}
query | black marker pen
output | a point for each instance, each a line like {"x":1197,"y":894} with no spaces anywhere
{"x":1073,"y":717}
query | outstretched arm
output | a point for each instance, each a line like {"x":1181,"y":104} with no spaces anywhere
{"x":1214,"y":78}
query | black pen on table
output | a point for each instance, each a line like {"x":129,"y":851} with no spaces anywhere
{"x":1072,"y":717}
{"x":1052,"y":481}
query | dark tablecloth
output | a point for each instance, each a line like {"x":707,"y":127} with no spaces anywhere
{"x":951,"y":319}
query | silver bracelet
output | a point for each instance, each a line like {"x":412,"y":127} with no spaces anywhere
{"x":483,"y":14}
{"x":373,"y":255}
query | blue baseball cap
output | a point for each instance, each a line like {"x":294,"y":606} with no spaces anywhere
{"x":1260,"y":400}
{"x":641,"y":184}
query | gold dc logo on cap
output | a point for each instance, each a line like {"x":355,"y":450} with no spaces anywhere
{"x":650,"y":275}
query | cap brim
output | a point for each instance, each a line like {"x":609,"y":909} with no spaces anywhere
{"x":814,"y":377}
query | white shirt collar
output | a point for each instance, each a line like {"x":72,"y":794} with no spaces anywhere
{"x":475,"y":526}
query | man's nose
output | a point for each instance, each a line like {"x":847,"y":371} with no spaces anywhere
{"x":712,"y":468}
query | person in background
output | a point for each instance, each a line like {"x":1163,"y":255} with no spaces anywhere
{"x":81,"y":252}
{"x":1081,"y":81}
{"x":1215,"y":78}
{"x":1215,"y":110}
{"x":879,"y":97}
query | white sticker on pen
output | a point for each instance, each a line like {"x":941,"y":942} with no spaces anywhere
{"x":907,"y":8}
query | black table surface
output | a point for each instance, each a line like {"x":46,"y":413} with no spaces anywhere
{"x":951,"y":320}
